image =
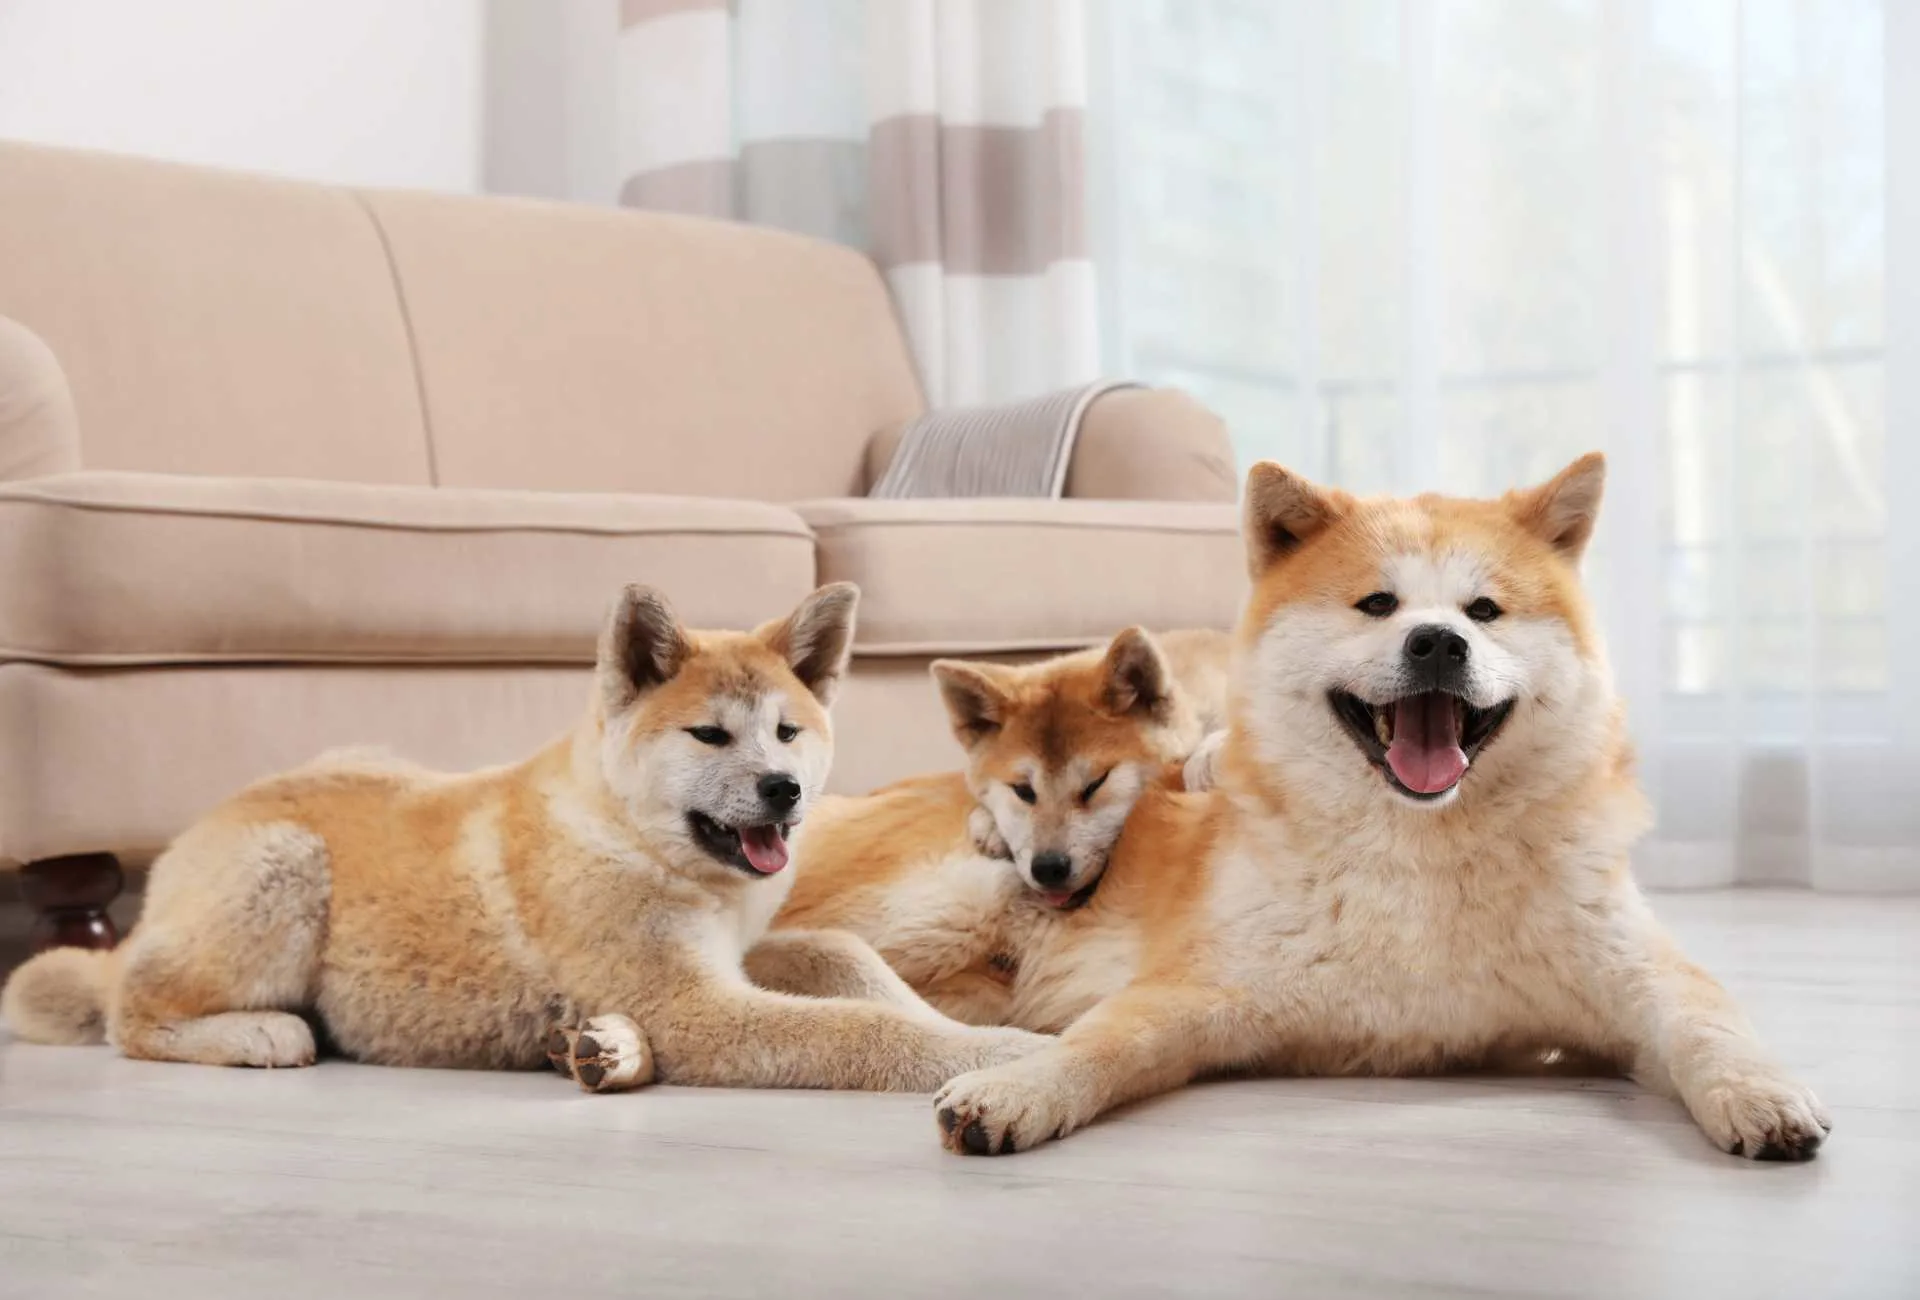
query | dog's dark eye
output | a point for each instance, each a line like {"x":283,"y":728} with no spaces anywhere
{"x":709,"y":735}
{"x":1379,"y":604}
{"x":1093,"y":787}
{"x":1483,"y":611}
{"x":785,"y":732}
{"x":1023,"y":792}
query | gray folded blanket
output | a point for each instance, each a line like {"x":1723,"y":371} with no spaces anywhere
{"x":1017,"y":450}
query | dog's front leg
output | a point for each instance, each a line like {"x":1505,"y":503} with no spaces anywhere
{"x":830,"y":964}
{"x":1691,"y":1040}
{"x":732,"y":1035}
{"x":985,"y":834}
{"x":1146,"y":1039}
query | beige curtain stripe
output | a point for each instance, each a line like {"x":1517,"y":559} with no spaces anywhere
{"x":984,"y":200}
{"x":700,"y":189}
{"x":810,"y":186}
{"x":635,"y":12}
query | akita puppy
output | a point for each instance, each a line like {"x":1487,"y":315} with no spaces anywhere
{"x":1044,"y":740}
{"x":621,"y":873}
{"x":1057,"y":754}
{"x":1416,"y":856}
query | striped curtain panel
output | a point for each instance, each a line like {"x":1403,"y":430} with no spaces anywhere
{"x":943,"y":137}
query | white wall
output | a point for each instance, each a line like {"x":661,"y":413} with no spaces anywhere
{"x":363,"y":92}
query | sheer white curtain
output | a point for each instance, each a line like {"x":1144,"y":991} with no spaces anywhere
{"x":942,"y":137}
{"x":1405,"y":244}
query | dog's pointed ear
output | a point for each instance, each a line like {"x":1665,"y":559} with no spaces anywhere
{"x":1134,"y":676}
{"x":817,"y":638}
{"x":975,"y":698}
{"x":1282,"y":511}
{"x":1562,"y":511}
{"x":641,"y":646}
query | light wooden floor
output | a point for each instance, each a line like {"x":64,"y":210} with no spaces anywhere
{"x":119,"y":1178}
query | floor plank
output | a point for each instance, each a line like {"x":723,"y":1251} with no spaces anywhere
{"x":120,"y":1176}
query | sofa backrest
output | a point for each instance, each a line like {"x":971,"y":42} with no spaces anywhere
{"x":211,"y":323}
{"x":222,"y":323}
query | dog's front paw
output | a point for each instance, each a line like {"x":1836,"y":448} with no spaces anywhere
{"x":1763,"y":1117}
{"x":607,"y":1054}
{"x":1200,"y":773}
{"x":275,"y":1041}
{"x":985,"y":833}
{"x":998,"y":1112}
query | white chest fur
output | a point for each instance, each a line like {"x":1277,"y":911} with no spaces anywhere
{"x":1393,"y":960}
{"x":758,"y":904}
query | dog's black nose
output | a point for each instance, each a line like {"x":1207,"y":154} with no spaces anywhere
{"x":780,"y":791}
{"x":1436,"y":643}
{"x":1436,"y":658}
{"x":1050,"y":870}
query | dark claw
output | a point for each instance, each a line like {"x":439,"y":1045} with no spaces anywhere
{"x":974,"y":1138}
{"x":1801,"y":1150}
{"x":948,"y":1119}
{"x":591,"y":1073}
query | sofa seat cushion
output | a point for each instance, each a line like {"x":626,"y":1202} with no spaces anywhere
{"x":120,"y":568}
{"x":986,"y":575}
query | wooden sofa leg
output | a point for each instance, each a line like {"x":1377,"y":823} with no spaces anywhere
{"x":69,"y":897}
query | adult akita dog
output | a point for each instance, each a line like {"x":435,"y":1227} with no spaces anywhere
{"x":1415,"y":858}
{"x":968,"y":882}
{"x":625,"y":870}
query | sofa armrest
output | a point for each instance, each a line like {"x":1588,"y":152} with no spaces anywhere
{"x":39,"y":432}
{"x":1152,"y":444}
{"x":1135,"y":444}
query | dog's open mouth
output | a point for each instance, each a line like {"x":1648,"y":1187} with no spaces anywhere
{"x":762,"y":848}
{"x":1422,"y":743}
{"x":1071,"y":900}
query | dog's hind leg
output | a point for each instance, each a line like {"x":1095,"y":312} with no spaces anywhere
{"x":229,"y":949}
{"x":829,"y":964}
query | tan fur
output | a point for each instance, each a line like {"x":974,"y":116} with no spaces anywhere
{"x":439,"y":920}
{"x":905,"y":869}
{"x":1307,"y":917}
{"x":1200,"y":660}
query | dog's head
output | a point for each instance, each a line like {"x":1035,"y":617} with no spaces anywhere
{"x":1059,"y":751}
{"x":1421,"y":653}
{"x":719,"y":742}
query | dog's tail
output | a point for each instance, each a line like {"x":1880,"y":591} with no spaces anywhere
{"x":61,"y":996}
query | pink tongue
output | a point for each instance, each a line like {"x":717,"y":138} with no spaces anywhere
{"x":1426,"y":754}
{"x":764,"y":848}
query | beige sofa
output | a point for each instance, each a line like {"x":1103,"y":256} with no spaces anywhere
{"x":284,"y":467}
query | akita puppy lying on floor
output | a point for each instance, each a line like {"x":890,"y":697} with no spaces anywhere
{"x":623,"y":871}
{"x":975,"y":886}
{"x":1415,"y":858}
